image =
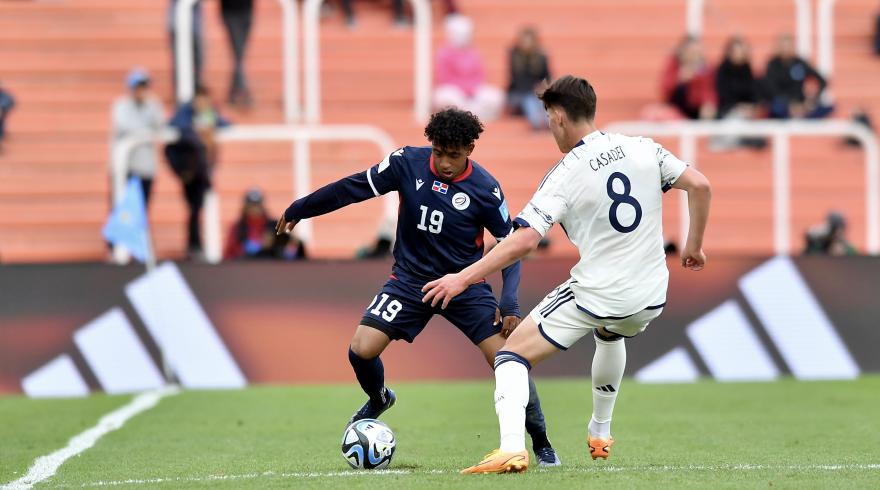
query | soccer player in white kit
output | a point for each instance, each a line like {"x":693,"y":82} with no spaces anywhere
{"x":606,"y":193}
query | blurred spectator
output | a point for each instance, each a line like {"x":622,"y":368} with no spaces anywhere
{"x":688,"y":83}
{"x":785,"y":82}
{"x":238,"y":16}
{"x":193,"y":157}
{"x":877,"y":34}
{"x":737,"y":92}
{"x":859,"y":115}
{"x":196,"y":42}
{"x":829,"y":238}
{"x":461,"y":79}
{"x":528,"y":67}
{"x":396,"y":5}
{"x":734,"y":81}
{"x":6,"y":105}
{"x":138,"y":113}
{"x":253,"y":235}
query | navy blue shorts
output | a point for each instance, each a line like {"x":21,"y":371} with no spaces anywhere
{"x":398,"y":311}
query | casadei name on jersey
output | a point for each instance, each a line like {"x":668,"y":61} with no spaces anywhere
{"x":607,"y":158}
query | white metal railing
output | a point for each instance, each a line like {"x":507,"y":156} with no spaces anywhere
{"x":780,"y":131}
{"x":184,"y":55}
{"x":825,"y":33}
{"x":694,"y":22}
{"x":301,"y":136}
{"x":312,"y":68}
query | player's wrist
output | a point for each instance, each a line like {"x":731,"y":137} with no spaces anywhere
{"x":510,"y":309}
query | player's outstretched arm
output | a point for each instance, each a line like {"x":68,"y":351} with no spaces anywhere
{"x":699,"y":196}
{"x":352,"y":189}
{"x":512,"y":249}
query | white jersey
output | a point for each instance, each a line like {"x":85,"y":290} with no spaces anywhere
{"x":607,"y":195}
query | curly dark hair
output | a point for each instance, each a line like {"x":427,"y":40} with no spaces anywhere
{"x":453,"y":128}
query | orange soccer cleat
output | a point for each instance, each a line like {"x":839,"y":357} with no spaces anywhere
{"x":498,"y":462}
{"x":600,"y":448}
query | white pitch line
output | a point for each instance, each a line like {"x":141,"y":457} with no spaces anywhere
{"x":44,"y":467}
{"x":348,"y":474}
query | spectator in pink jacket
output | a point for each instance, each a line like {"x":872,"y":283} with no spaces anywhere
{"x":461,"y":79}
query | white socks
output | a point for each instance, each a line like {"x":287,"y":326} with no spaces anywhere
{"x":609,"y":361}
{"x":511,"y":397}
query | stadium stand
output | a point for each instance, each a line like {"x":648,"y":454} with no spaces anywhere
{"x":64,"y":61}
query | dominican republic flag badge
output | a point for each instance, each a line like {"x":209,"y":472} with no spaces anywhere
{"x":440,"y":187}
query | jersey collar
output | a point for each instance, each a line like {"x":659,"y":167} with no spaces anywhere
{"x":467,"y":171}
{"x":590,"y":137}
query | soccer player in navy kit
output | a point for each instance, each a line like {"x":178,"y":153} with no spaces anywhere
{"x":446,"y":201}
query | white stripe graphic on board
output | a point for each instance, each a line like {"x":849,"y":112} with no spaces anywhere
{"x":183,"y":331}
{"x":675,"y":366}
{"x":116,"y":355}
{"x":796,"y":323}
{"x":729,"y":347}
{"x":57,"y":378}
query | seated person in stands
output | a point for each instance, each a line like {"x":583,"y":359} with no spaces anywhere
{"x":461,"y":78}
{"x":829,"y":238}
{"x":253,"y":236}
{"x":688,"y":83}
{"x":735,"y":83}
{"x":786,"y":84}
{"x":6,"y":105}
{"x":193,"y":158}
{"x":528,"y":68}
{"x":737,"y":92}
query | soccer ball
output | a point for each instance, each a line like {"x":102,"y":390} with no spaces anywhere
{"x":368,"y":444}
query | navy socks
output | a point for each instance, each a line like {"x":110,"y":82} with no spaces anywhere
{"x":371,"y":375}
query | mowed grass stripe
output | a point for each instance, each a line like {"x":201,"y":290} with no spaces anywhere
{"x":787,"y":434}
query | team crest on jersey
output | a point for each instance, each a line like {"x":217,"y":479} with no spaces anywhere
{"x":440,"y":187}
{"x":461,"y":201}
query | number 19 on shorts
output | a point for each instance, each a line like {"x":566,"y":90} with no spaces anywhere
{"x":390,"y":310}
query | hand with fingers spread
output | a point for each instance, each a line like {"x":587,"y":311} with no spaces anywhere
{"x":443,"y":290}
{"x":284,"y":226}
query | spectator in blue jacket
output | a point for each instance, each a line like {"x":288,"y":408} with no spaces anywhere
{"x":6,"y":105}
{"x":193,"y":157}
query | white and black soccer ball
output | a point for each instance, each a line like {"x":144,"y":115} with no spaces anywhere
{"x":368,"y":444}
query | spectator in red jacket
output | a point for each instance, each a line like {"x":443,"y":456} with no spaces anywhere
{"x":253,"y":235}
{"x":688,"y":83}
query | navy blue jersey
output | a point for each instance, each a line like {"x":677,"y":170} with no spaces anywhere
{"x":440,"y":224}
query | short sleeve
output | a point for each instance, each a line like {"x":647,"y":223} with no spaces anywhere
{"x":671,"y":167}
{"x":384,"y":177}
{"x":497,"y":219}
{"x":549,"y":204}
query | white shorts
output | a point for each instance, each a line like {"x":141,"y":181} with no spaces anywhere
{"x":562,"y":322}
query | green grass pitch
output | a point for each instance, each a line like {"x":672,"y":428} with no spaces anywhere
{"x":784,"y":434}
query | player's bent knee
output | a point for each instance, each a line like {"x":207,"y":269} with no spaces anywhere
{"x":368,"y":342}
{"x":490,"y":347}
